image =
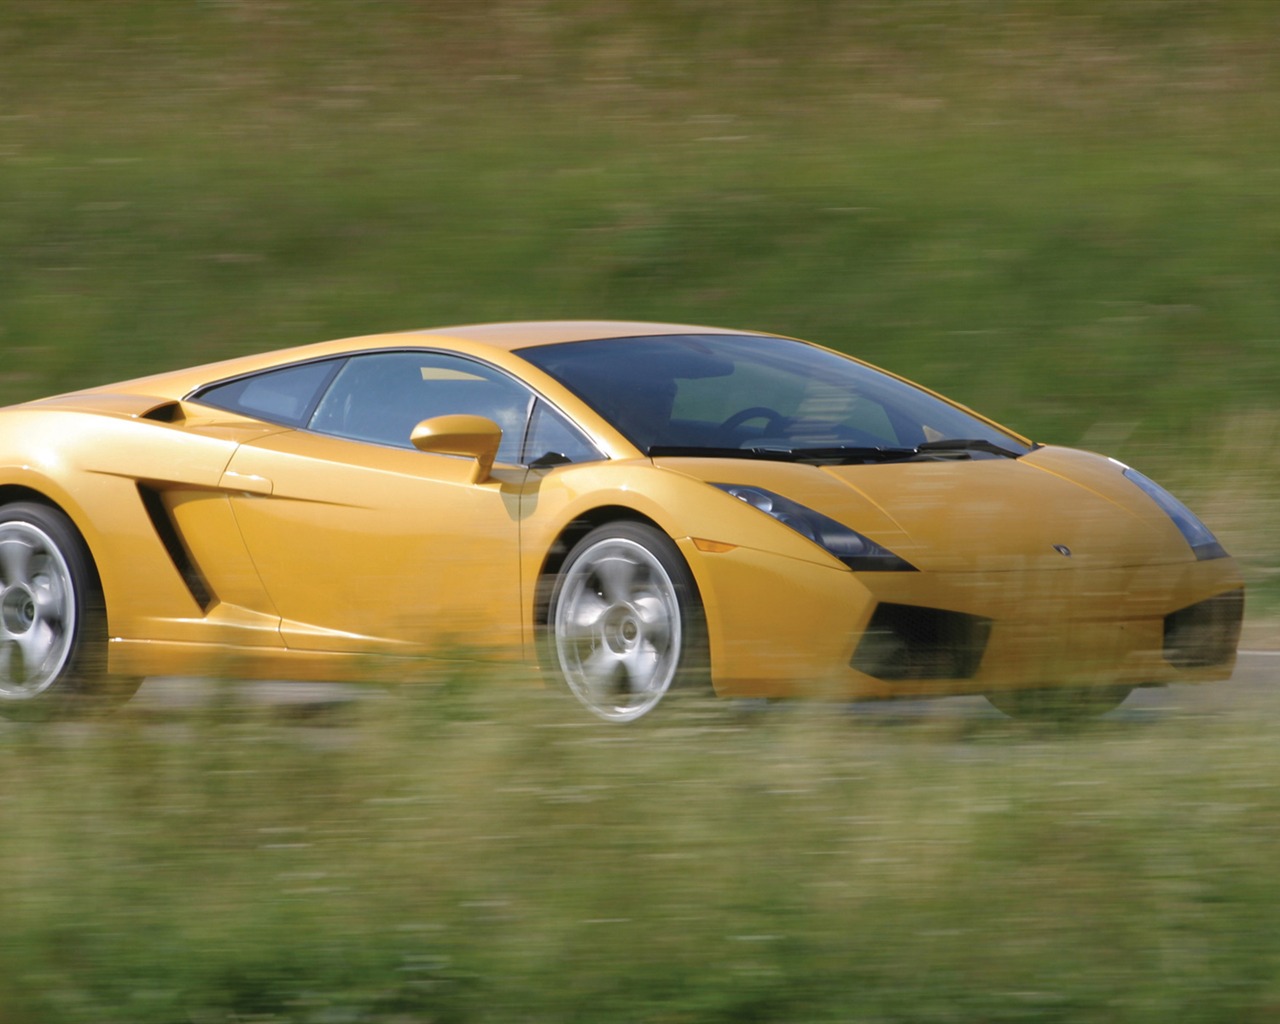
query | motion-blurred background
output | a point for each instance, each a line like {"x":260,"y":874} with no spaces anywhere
{"x":1065,"y":213}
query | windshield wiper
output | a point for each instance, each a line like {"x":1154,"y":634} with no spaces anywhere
{"x":841,"y":454}
{"x":966,"y":444}
{"x":834,"y":454}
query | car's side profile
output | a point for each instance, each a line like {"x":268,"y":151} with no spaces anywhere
{"x":639,"y":504}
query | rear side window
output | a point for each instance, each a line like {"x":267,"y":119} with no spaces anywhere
{"x":285,"y":396}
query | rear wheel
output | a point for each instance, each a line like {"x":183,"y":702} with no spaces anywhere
{"x":52,"y":621}
{"x":1065,"y":703}
{"x":625,"y":623}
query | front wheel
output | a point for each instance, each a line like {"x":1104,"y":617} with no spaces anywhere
{"x":52,"y":621}
{"x":625,"y":624}
{"x":1062,"y":704}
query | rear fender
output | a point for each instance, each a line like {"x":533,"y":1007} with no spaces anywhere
{"x":97,"y":469}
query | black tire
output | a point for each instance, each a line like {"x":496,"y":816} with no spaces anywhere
{"x":625,"y":624}
{"x":1060,"y":704}
{"x":53,"y":624}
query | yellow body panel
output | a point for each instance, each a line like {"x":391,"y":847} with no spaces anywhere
{"x":227,"y":544}
{"x":368,"y":549}
{"x":796,"y":634}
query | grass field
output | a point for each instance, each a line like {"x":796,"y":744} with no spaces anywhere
{"x":464,"y":852}
{"x":1064,"y":213}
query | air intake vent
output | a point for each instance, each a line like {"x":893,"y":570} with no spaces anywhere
{"x":168,"y":412}
{"x":1206,"y":633}
{"x":903,"y":641}
{"x":168,"y":534}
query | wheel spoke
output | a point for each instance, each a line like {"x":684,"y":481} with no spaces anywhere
{"x":616,"y":575}
{"x":643,"y":665}
{"x":36,"y":645}
{"x":654,"y":614}
{"x":15,"y":559}
{"x":583,"y":619}
{"x":50,"y":604}
{"x":11,"y":666}
{"x":601,"y":674}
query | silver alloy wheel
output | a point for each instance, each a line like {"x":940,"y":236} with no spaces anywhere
{"x":617,"y":628}
{"x":37,"y":611}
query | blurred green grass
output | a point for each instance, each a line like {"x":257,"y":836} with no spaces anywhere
{"x":466,"y":850}
{"x":1052,"y":209}
{"x":1065,"y":214}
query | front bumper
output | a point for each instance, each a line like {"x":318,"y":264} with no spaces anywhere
{"x":780,"y":627}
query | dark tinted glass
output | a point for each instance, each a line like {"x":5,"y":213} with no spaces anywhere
{"x":737,"y":391}
{"x":550,"y":434}
{"x":283,"y":396}
{"x":382,"y":396}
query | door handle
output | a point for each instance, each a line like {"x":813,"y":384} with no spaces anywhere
{"x":245,"y":483}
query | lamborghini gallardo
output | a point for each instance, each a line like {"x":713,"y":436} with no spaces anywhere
{"x":636,"y":508}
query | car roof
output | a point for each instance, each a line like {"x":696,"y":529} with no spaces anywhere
{"x":511,"y":336}
{"x":475,"y":339}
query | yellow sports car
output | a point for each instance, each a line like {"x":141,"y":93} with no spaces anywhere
{"x":638,"y":506}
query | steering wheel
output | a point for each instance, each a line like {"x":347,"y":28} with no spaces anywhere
{"x":774,"y":420}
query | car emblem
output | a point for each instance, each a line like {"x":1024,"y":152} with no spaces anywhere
{"x":1063,"y":550}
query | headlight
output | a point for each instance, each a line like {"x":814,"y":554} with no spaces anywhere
{"x":852,"y":548}
{"x":1200,"y":537}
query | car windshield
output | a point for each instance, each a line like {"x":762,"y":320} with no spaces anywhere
{"x":761,"y":397}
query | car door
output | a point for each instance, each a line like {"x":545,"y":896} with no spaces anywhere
{"x":365,"y":543}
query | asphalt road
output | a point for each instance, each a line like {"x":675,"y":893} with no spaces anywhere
{"x":1253,"y":689}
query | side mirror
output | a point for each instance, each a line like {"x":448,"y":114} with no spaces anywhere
{"x":473,"y":436}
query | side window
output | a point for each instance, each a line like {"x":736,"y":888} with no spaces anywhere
{"x":382,"y":396}
{"x":551,"y":434}
{"x":283,"y":396}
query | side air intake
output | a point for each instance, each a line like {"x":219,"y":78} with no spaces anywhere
{"x":162,"y":523}
{"x":903,"y":641}
{"x":1204,"y":634}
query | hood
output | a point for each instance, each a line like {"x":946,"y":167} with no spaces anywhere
{"x":1055,"y":508}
